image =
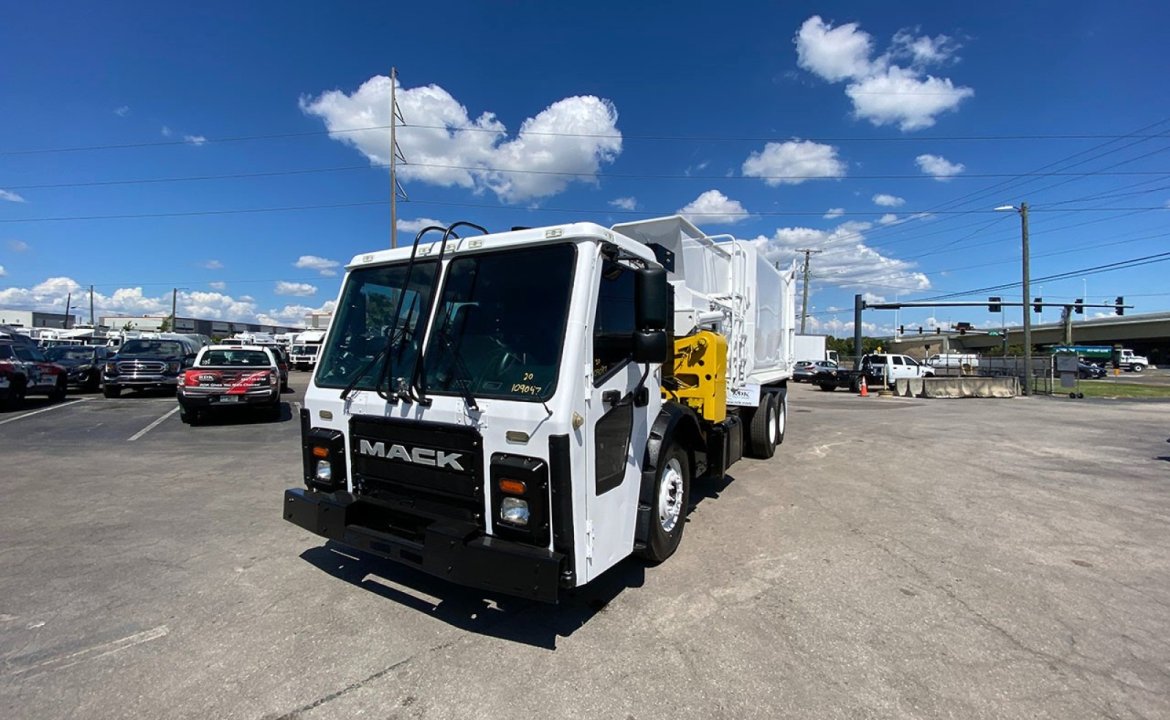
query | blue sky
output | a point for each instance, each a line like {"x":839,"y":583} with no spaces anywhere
{"x":882,"y":136}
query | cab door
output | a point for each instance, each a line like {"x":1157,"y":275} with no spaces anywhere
{"x":617,"y":422}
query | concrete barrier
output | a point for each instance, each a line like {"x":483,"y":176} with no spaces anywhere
{"x":958,"y":387}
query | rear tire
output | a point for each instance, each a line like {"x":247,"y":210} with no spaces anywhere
{"x":671,"y":498}
{"x":762,"y":428}
{"x":781,"y":416}
{"x":15,"y":395}
{"x":111,"y":392}
{"x":58,"y":392}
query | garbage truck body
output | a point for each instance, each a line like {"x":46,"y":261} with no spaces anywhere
{"x":518,"y":412}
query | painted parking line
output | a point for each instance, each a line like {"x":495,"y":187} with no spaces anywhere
{"x":42,"y":410}
{"x":154,"y":424}
{"x":61,"y":662}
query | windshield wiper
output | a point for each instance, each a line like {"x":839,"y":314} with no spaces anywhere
{"x":418,"y":378}
{"x":463,"y":375}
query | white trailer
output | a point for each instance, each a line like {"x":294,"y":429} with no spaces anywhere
{"x":520,"y":411}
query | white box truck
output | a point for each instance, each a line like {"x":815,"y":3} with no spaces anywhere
{"x":303,"y":351}
{"x":519,"y":411}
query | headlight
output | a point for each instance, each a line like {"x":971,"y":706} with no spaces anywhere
{"x":111,"y":368}
{"x":324,"y":473}
{"x":514,"y":510}
{"x":174,"y":366}
{"x":83,"y":368}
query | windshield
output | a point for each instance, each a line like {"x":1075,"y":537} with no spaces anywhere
{"x":305,"y":349}
{"x":69,"y":353}
{"x":500,"y":324}
{"x":232,"y":358}
{"x":366,"y":318}
{"x":168,"y":348}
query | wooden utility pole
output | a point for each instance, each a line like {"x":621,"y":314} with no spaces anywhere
{"x":92,"y":324}
{"x":174,"y":304}
{"x":68,"y":300}
{"x":804,"y":303}
{"x":393,"y":158}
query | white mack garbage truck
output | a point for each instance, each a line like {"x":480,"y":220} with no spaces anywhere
{"x":519,"y":411}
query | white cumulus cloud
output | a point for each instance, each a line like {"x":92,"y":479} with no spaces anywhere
{"x":887,"y":219}
{"x":845,"y":258}
{"x":195,"y":139}
{"x":938,"y":167}
{"x":325,"y":266}
{"x":624,"y":203}
{"x":406,"y":226}
{"x":834,"y":213}
{"x":566,"y":142}
{"x":295,"y":288}
{"x":714,"y":208}
{"x":11,"y":196}
{"x":890,"y":89}
{"x":794,"y":162}
{"x":885,"y":200}
{"x":122,"y":111}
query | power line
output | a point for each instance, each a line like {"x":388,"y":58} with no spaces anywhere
{"x":605,"y":136}
{"x":1159,"y":174}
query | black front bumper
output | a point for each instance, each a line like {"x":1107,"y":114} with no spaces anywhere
{"x":453,"y":550}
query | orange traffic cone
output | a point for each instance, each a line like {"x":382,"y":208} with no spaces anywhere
{"x":864,"y":387}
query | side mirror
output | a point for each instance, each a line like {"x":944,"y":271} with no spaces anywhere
{"x":650,"y":346}
{"x":651,"y":300}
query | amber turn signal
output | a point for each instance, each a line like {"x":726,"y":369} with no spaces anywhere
{"x":321,"y":452}
{"x":512,"y":487}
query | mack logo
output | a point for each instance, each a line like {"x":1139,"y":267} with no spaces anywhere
{"x":418,"y":455}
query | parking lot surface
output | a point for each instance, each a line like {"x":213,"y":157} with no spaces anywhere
{"x":897,"y":558}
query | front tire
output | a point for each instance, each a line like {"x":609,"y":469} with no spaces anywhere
{"x":827,"y":387}
{"x":671,"y":498}
{"x":15,"y":395}
{"x":1137,"y":368}
{"x":111,"y":391}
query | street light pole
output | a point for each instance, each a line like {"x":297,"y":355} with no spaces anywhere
{"x":1027,"y":297}
{"x":1027,"y":292}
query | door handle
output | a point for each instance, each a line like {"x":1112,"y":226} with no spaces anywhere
{"x":611,"y":397}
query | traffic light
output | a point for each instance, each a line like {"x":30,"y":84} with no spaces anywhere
{"x":1079,"y":306}
{"x":938,"y":331}
{"x":919,"y":329}
{"x":1038,"y":305}
{"x":901,"y":329}
{"x":993,"y":305}
{"x":1120,"y":305}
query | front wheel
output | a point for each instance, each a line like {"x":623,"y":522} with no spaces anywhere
{"x":15,"y":396}
{"x":672,"y":494}
{"x":1137,"y":368}
{"x":111,"y":391}
{"x":827,"y":387}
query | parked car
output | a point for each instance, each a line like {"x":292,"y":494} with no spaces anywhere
{"x":25,"y":371}
{"x":806,"y":369}
{"x":146,"y":363}
{"x":83,"y":364}
{"x":230,"y":377}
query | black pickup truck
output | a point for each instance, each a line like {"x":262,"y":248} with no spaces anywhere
{"x":148,"y":363}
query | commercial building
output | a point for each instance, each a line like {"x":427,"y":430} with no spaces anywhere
{"x":210,"y":328}
{"x":36,"y":319}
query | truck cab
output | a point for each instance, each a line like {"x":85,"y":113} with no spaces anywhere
{"x":505,"y":411}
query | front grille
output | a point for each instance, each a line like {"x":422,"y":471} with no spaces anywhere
{"x":135,"y":367}
{"x":419,"y":489}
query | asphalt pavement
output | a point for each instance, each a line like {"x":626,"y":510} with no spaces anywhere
{"x":897,"y":558}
